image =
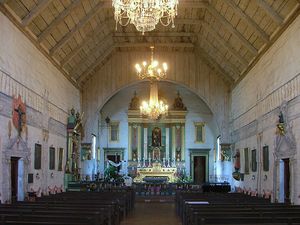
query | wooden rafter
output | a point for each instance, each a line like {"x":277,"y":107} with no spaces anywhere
{"x":153,"y":34}
{"x":195,"y":4}
{"x":42,"y":4}
{"x":224,"y":59}
{"x":88,"y":39}
{"x":215,"y":66}
{"x":99,"y":60}
{"x":97,"y":46}
{"x":77,"y":27}
{"x":248,"y":20}
{"x":271,"y":12}
{"x":224,"y":44}
{"x":147,"y":44}
{"x":230,"y":28}
{"x":58,"y":20}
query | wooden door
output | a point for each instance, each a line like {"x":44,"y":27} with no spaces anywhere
{"x":287,"y":180}
{"x":199,"y":169}
{"x":14,"y":178}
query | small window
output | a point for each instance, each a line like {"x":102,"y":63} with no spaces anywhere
{"x":266,"y":158}
{"x":199,"y":132}
{"x":114,"y":131}
{"x":60,"y":158}
{"x":253,"y":160}
{"x":37,"y":156}
{"x":51,"y":158}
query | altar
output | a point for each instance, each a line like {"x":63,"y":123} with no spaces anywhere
{"x":156,"y":173}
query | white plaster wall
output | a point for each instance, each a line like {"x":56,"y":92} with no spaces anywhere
{"x":27,"y":72}
{"x":255,"y":102}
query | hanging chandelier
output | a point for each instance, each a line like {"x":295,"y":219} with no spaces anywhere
{"x":145,"y":14}
{"x":154,"y":108}
{"x":152,"y":70}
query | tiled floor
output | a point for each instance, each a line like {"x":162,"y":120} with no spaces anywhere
{"x":152,"y":213}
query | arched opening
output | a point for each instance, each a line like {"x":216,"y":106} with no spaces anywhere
{"x":181,"y":144}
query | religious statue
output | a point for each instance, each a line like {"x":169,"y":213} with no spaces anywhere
{"x":78,"y":129}
{"x":71,"y":120}
{"x":134,"y":103}
{"x":19,"y":114}
{"x":178,"y":103}
{"x":281,"y":124}
{"x":156,"y":137}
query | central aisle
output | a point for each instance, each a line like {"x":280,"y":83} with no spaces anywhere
{"x":148,"y":213}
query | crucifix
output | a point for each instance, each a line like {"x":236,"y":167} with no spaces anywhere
{"x":20,"y":119}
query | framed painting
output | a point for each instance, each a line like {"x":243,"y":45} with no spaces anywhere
{"x":266,"y":158}
{"x":37,"y":156}
{"x":60,"y":158}
{"x":51,"y":158}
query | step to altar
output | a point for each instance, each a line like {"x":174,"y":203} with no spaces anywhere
{"x":155,"y":199}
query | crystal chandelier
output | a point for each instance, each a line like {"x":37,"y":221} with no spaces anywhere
{"x":145,"y":14}
{"x":151,"y":71}
{"x":154,"y":108}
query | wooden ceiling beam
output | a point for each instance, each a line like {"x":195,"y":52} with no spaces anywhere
{"x":230,"y":28}
{"x":237,"y":10}
{"x":215,"y":66}
{"x":77,"y":27}
{"x":224,"y":59}
{"x":195,"y":4}
{"x":271,"y":12}
{"x":87,"y":40}
{"x":96,"y":47}
{"x":99,"y":60}
{"x":153,"y":34}
{"x":58,"y":20}
{"x":147,"y":44}
{"x":224,"y":44}
{"x":42,"y":4}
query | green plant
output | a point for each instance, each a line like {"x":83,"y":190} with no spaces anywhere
{"x":183,"y":178}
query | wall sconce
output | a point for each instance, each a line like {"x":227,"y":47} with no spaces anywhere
{"x":265,"y":177}
{"x":52,"y":175}
{"x":37,"y":176}
{"x":253,"y":177}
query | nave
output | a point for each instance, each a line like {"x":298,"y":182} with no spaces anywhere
{"x":121,"y":206}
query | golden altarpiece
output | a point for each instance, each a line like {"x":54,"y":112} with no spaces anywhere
{"x":156,"y":147}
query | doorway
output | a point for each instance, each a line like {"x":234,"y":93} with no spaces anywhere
{"x":14,"y":178}
{"x":286,"y":180}
{"x":199,"y":169}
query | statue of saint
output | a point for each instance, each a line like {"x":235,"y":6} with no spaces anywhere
{"x":71,"y":120}
{"x":156,"y":137}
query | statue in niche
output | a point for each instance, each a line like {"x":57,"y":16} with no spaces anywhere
{"x":134,"y":103}
{"x":156,"y":137}
{"x":178,"y":103}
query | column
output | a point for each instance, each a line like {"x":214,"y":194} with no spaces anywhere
{"x":182,"y":142}
{"x":145,"y":142}
{"x":167,"y":142}
{"x":129,"y":142}
{"x":173,"y":143}
{"x":139,"y":150}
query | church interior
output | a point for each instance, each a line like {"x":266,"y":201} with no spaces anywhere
{"x":189,"y":106}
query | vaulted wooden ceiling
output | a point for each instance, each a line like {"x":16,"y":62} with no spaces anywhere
{"x":78,"y":36}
